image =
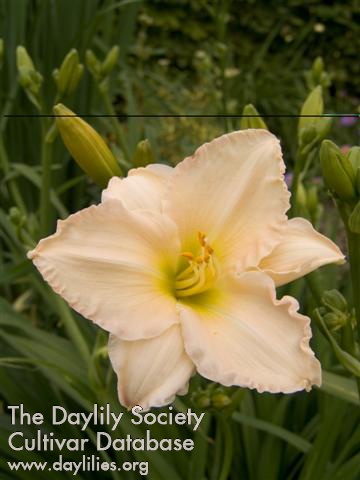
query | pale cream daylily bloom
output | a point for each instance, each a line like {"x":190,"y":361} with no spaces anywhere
{"x":180,"y":265}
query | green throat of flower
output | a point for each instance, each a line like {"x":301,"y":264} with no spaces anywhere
{"x":200,"y":273}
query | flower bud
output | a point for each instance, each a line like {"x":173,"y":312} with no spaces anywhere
{"x":143,"y":154}
{"x":301,"y":196}
{"x":86,"y":146}
{"x":338,"y":173}
{"x":357,"y":180}
{"x":201,"y":401}
{"x":334,"y":300}
{"x":93,"y":64}
{"x":351,"y":363}
{"x":253,"y":120}
{"x":323,"y":126}
{"x":318,"y":74}
{"x":29,"y":78}
{"x":69,"y":74}
{"x":313,"y":105}
{"x":335,"y":321}
{"x":220,"y":400}
{"x":16,"y":217}
{"x":110,"y":60}
{"x":317,"y":68}
{"x":354,"y":218}
{"x":308,"y":134}
{"x":354,"y":157}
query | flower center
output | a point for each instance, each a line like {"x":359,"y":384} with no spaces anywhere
{"x":200,"y":273}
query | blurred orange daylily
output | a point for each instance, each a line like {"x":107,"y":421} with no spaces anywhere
{"x":180,"y":265}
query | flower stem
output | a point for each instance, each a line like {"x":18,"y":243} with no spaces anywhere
{"x":116,"y":125}
{"x":228,"y":450}
{"x":46,"y":160}
{"x":71,"y":328}
{"x":15,"y":193}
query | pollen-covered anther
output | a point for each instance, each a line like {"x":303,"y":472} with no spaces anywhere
{"x":200,"y":274}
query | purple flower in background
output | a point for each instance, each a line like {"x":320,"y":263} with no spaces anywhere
{"x":348,"y":121}
{"x":288,"y":179}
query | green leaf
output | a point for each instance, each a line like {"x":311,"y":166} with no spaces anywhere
{"x":341,"y":387}
{"x":289,"y":437}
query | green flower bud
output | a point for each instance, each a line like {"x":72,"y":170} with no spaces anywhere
{"x":354,"y":157}
{"x":317,"y":68}
{"x":335,"y":321}
{"x":357,"y":180}
{"x":313,"y":105}
{"x":323,"y":126}
{"x":220,"y":400}
{"x":334,"y":300}
{"x":301,"y":195}
{"x":312,"y":199}
{"x":110,"y":61}
{"x":29,"y":78}
{"x":86,"y":146}
{"x":354,"y":219}
{"x":308,"y":134}
{"x":93,"y":64}
{"x":201,"y":401}
{"x":143,"y":154}
{"x":338,"y":173}
{"x":351,"y":363}
{"x":69,"y":74}
{"x":16,"y":217}
{"x":254,"y":121}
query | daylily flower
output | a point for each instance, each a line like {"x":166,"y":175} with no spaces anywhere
{"x":180,"y":265}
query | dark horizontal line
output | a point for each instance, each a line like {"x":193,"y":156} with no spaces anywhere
{"x":275,"y":115}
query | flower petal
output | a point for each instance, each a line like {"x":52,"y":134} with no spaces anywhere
{"x":301,"y":250}
{"x":232,"y":189}
{"x":246,"y":337}
{"x":151,"y":372}
{"x":143,"y":188}
{"x":112,"y":266}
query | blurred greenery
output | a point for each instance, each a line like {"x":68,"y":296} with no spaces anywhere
{"x":175,"y":57}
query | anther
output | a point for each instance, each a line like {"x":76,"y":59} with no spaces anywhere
{"x":187,"y":255}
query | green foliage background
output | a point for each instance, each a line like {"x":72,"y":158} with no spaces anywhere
{"x":176,"y":57}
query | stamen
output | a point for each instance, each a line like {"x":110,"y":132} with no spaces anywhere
{"x":200,"y":274}
{"x":187,"y":255}
{"x":202,"y":239}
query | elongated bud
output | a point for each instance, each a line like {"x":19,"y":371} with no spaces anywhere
{"x":29,"y":78}
{"x":69,"y":74}
{"x":93,"y":63}
{"x":308,"y":134}
{"x":318,"y":67}
{"x":338,"y":173}
{"x":143,"y":154}
{"x":334,"y":300}
{"x":354,"y":157}
{"x":86,"y":146}
{"x":301,"y":195}
{"x":110,"y":61}
{"x":354,"y":219}
{"x":253,"y":120}
{"x":313,"y":105}
{"x":323,"y":126}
